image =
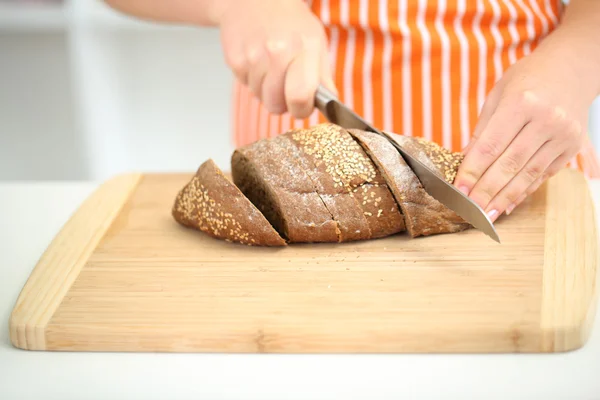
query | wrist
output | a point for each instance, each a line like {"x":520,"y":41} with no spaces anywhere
{"x":220,"y":8}
{"x":577,"y":47}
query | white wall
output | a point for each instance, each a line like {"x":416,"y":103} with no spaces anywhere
{"x":103,"y":95}
{"x":37,"y":135}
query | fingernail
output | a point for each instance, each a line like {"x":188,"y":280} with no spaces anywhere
{"x":464,"y":189}
{"x":492,"y":214}
{"x":510,"y":208}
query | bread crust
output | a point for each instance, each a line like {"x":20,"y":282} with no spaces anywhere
{"x":211,"y":203}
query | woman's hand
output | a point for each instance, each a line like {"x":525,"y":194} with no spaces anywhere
{"x":531,"y":125}
{"x":279,"y":49}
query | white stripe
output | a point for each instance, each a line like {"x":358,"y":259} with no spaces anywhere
{"x":325,"y":16}
{"x":512,"y":29}
{"x":262,"y":122}
{"x":530,"y":26}
{"x":286,"y":122}
{"x":536,"y":9}
{"x":349,"y":59}
{"x":349,"y":68}
{"x":244,"y":108}
{"x":482,"y":54}
{"x":550,"y":12}
{"x":298,"y":123}
{"x":345,"y":13}
{"x":314,"y":118}
{"x":367,"y":82}
{"x":497,"y":39}
{"x":407,"y":124}
{"x":273,"y":125}
{"x":253,"y":117}
{"x":445,"y":75}
{"x":239,"y":109}
{"x":386,"y":73}
{"x":426,"y":69}
{"x":465,"y":130}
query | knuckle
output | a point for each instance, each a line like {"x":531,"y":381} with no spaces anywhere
{"x":528,"y":99}
{"x":488,"y":148}
{"x":277,"y":48}
{"x":533,"y":172}
{"x":557,"y":115}
{"x":253,"y":55}
{"x":509,"y":164}
{"x":237,"y":62}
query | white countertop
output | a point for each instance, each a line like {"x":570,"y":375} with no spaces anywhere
{"x":32,"y":213}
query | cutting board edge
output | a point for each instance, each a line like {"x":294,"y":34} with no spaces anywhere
{"x":568,"y":311}
{"x":62,"y":261}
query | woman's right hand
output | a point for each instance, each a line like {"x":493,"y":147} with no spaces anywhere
{"x":279,"y":49}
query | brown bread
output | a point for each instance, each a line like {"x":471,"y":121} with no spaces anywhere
{"x":423,"y":214}
{"x":348,"y":182}
{"x":212,"y":204}
{"x":272,"y":179}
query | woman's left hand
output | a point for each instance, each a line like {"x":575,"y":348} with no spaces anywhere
{"x":532,"y":123}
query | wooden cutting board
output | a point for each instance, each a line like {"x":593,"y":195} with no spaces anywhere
{"x":122,"y":275}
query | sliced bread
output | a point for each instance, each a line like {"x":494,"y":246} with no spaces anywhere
{"x":212,"y":204}
{"x":423,"y":214}
{"x":348,"y":182}
{"x":272,"y":179}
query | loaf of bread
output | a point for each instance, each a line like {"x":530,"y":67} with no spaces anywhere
{"x":323,"y":184}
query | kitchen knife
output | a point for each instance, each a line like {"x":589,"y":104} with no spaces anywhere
{"x":337,"y":113}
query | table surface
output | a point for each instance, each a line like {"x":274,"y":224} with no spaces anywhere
{"x":32,"y":213}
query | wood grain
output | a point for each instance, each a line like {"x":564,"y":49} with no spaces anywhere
{"x":153,"y":285}
{"x":63,"y":260}
{"x":570,"y":262}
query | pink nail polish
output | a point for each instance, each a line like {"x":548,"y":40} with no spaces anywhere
{"x":464,"y":189}
{"x":492,"y":214}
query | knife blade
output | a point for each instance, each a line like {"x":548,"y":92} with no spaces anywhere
{"x":338,"y":113}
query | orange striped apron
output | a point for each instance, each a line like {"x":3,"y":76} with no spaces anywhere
{"x":417,"y":67}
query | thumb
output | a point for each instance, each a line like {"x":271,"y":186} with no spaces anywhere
{"x":326,"y":73}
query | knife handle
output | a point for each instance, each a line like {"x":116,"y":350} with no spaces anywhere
{"x":322,"y":98}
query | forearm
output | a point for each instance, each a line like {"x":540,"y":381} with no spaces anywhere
{"x":579,"y":36}
{"x":193,"y":12}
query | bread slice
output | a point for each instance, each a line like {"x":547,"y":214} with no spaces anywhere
{"x":346,"y":179}
{"x":272,"y":179}
{"x":423,"y":214}
{"x":439,"y":159}
{"x":212,"y":204}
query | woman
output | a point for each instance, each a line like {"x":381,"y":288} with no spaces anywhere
{"x":509,"y":82}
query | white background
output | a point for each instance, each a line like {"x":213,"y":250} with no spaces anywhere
{"x":86,"y":93}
